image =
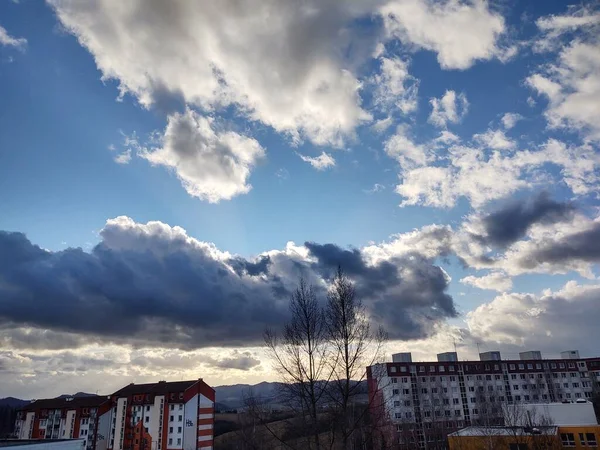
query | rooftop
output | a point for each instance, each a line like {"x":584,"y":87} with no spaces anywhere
{"x":88,"y":401}
{"x":22,"y":442}
{"x":162,"y":387}
{"x":505,"y":431}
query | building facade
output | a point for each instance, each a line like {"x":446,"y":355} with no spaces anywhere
{"x":154,"y":416}
{"x":159,"y":416}
{"x":417,"y":404}
{"x":62,"y":418}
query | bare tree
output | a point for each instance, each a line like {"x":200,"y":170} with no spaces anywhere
{"x":354,"y":346}
{"x":301,"y":357}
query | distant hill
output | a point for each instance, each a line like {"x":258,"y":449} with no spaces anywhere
{"x":233,"y":396}
{"x":78,"y":394}
{"x":12,"y":402}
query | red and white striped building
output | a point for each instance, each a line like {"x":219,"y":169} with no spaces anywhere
{"x":155,"y":416}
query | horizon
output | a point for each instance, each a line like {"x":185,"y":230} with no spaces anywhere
{"x":168,"y":176}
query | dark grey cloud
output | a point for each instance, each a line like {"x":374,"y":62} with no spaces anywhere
{"x":511,"y":223}
{"x":151,"y":284}
{"x":581,"y":246}
{"x":407,"y":295}
{"x":238,"y":360}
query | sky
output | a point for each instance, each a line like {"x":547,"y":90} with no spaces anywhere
{"x":169,"y":170}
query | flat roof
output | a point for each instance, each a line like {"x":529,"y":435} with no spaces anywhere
{"x":21,"y":442}
{"x":503,"y":431}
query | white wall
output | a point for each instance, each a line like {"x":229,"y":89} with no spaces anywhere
{"x":103,"y":434}
{"x":190,"y":419}
{"x":26,"y":426}
{"x":563,"y":413}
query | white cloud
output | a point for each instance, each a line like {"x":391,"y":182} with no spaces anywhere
{"x":124,"y":157}
{"x":404,"y":150}
{"x":509,"y":120}
{"x":278,"y":61}
{"x":449,"y":108}
{"x":212,"y":165}
{"x":572,"y":82}
{"x":10,"y":41}
{"x":322,"y":162}
{"x":495,"y":139}
{"x":461,"y":33}
{"x":395,"y":87}
{"x":383,"y":124}
{"x":376,"y":188}
{"x":482,"y":176}
{"x":545,"y":321}
{"x":496,"y":281}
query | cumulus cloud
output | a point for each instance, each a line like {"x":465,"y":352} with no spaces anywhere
{"x":153,"y":285}
{"x":403,"y":149}
{"x":282,"y":66}
{"x":9,"y":41}
{"x":394,"y":87}
{"x":450,"y":108}
{"x":212,"y":164}
{"x":123,"y":157}
{"x":545,"y":321}
{"x":461,"y":33}
{"x":572,"y":82}
{"x":322,"y":162}
{"x":511,"y":222}
{"x":237,"y":360}
{"x":509,"y":120}
{"x":496,"y":281}
{"x":483,"y":174}
{"x":495,"y":139}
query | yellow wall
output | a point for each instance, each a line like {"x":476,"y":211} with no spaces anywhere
{"x":502,"y":442}
{"x":576,"y":430}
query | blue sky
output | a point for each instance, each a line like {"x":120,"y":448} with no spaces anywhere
{"x":211,"y":115}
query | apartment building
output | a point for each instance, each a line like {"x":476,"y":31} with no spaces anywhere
{"x":417,"y":404}
{"x":62,"y":418}
{"x":159,"y":416}
{"x":154,"y":416}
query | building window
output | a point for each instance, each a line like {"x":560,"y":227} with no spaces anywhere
{"x":452,"y":378}
{"x":568,"y":395}
{"x":421,"y":368}
{"x":405,"y":379}
{"x":406,"y":402}
{"x":432,"y":379}
{"x":451,"y":368}
{"x":441,"y":369}
{"x":408,"y":414}
{"x":403,"y":369}
{"x":524,"y":387}
{"x":577,"y":394}
{"x":455,"y":401}
{"x":511,"y":366}
{"x":530,"y":366}
{"x":180,"y":418}
{"x":521,"y":366}
{"x":423,"y":390}
{"x":513,"y":376}
{"x":566,"y":385}
{"x":591,"y":439}
{"x":432,"y":368}
{"x":522,"y":376}
{"x":571,"y":365}
{"x":515,"y":387}
{"x":457,"y":412}
{"x":393,"y":369}
{"x":395,"y":391}
{"x":172,"y":407}
{"x":568,"y":439}
{"x":396,"y":404}
{"x":575,"y":385}
{"x":171,"y":418}
{"x":434,"y":390}
{"x":394,"y":380}
{"x":406,"y":391}
{"x":517,"y":398}
{"x":561,"y":365}
{"x":447,"y":413}
{"x":472,"y":400}
{"x":526,"y":398}
{"x":573,"y":374}
{"x":479,"y":378}
{"x":147,"y":419}
{"x":471,"y":389}
{"x":170,"y":441}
